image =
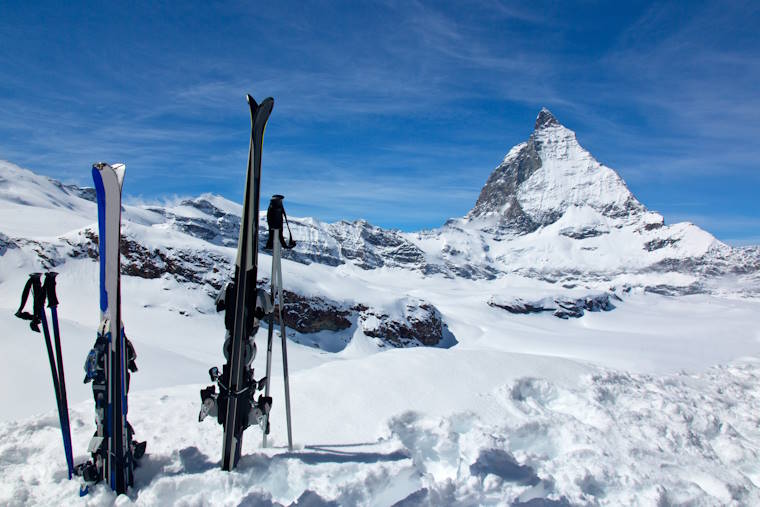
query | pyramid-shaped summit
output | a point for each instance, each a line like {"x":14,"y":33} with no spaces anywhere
{"x":545,"y":119}
{"x":543,"y":177}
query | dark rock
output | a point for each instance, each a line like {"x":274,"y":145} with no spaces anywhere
{"x":314,"y":314}
{"x":656,"y":244}
{"x":6,"y":244}
{"x":545,"y":119}
{"x":671,"y":290}
{"x":568,"y":309}
{"x":422,"y":325}
{"x":518,"y":306}
{"x":189,"y":265}
{"x":563,"y":307}
{"x":500,"y":191}
{"x":654,"y":225}
{"x":583,"y":232}
{"x":204,"y":206}
{"x":86,"y":193}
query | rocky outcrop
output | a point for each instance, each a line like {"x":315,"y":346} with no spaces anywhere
{"x":6,"y":244}
{"x":583,"y":232}
{"x":420,"y":323}
{"x":314,"y":314}
{"x":333,"y":244}
{"x":499,"y":195}
{"x":563,"y":307}
{"x":656,"y":244}
{"x":185,"y":265}
{"x":359,"y":243}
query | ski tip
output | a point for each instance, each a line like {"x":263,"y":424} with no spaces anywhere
{"x":252,"y":101}
{"x":120,"y":169}
{"x":119,"y":166}
{"x":83,"y":490}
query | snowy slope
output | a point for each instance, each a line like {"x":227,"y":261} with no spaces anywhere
{"x":474,"y":425}
{"x":37,"y":207}
{"x":623,"y":407}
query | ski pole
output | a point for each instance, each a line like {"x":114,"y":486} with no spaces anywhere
{"x":37,"y":317}
{"x":52,"y":299}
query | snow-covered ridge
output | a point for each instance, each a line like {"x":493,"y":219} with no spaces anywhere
{"x":548,"y":211}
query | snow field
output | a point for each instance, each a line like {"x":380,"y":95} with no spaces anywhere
{"x":605,"y":438}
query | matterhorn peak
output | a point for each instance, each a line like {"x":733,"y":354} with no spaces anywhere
{"x":540,"y":179}
{"x":545,"y":119}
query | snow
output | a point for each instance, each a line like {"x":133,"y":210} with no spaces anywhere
{"x":595,"y":410}
{"x":34,"y":207}
{"x":653,"y":403}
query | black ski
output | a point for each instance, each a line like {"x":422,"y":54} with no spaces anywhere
{"x":234,"y":405}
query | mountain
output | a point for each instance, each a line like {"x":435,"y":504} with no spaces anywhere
{"x":540,"y":179}
{"x":413,"y":379}
{"x":548,"y":212}
{"x":551,"y":211}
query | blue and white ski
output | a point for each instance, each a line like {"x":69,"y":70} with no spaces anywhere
{"x":112,"y":357}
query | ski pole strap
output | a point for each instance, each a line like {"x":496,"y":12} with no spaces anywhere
{"x":33,"y":285}
{"x":49,"y":287}
{"x":291,"y":243}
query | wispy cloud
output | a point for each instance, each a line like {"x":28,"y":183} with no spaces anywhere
{"x":405,"y":100}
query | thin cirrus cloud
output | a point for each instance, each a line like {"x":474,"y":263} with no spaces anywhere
{"x":412,"y":103}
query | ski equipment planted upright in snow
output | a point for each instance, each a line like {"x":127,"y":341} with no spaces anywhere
{"x":275,"y":242}
{"x":40,"y":292}
{"x":234,"y":405}
{"x":112,"y":358}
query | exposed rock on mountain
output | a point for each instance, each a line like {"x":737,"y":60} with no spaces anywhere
{"x":562,"y":306}
{"x":313,"y":314}
{"x":540,"y":179}
{"x":548,"y":212}
{"x":359,"y":243}
{"x":419,"y":323}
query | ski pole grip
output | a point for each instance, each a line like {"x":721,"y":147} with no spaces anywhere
{"x":30,"y":288}
{"x":50,"y":289}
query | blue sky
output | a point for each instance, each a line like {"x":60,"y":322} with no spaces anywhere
{"x":391,"y":111}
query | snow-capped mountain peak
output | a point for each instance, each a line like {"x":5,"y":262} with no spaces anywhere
{"x":545,"y":119}
{"x":549,"y":211}
{"x":540,"y":179}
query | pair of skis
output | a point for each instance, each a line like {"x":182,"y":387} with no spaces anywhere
{"x":109,"y":363}
{"x":235,"y":405}
{"x":40,"y":292}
